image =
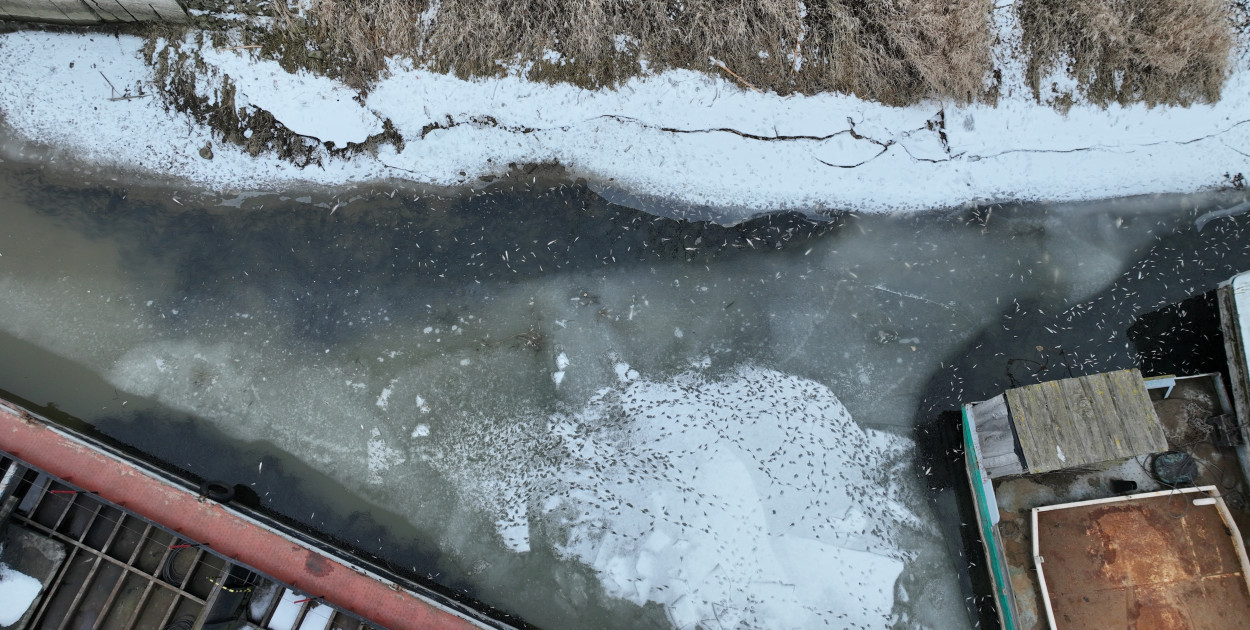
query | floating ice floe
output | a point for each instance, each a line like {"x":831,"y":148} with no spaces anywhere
{"x":753,"y":498}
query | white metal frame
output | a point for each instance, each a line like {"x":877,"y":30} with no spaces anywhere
{"x":1211,"y":491}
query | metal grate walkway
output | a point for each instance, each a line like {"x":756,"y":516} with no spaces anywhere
{"x":124,"y":572}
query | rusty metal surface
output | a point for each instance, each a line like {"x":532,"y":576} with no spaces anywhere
{"x":230,"y":535}
{"x":1160,"y":563}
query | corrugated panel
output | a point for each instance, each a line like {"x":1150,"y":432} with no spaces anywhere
{"x":1087,"y":420}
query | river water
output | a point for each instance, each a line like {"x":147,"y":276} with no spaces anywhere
{"x":583,"y":414}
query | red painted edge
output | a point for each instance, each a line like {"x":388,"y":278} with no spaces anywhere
{"x":227,"y":533}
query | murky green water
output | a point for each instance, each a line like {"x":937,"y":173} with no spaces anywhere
{"x":454,"y":382}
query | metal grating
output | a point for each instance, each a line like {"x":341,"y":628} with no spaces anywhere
{"x":123,"y":572}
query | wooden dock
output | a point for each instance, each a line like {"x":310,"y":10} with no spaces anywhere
{"x":1087,"y":420}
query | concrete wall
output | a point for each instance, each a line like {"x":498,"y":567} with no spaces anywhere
{"x":93,"y":11}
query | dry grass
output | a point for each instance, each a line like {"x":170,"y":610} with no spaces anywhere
{"x":355,"y":35}
{"x":1153,"y":51}
{"x":894,"y":51}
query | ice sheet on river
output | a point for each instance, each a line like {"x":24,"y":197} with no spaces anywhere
{"x":750,"y":499}
{"x":749,"y":496}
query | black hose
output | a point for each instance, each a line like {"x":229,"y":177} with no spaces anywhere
{"x":169,"y":572}
{"x":185,"y":622}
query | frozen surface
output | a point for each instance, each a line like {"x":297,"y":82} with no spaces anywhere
{"x":725,"y":431}
{"x":751,"y":498}
{"x":17,"y":592}
{"x":680,"y":136}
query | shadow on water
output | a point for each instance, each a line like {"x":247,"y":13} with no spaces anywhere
{"x":1159,"y":316}
{"x":379,"y":256}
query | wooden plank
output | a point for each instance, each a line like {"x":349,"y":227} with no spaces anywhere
{"x":1018,"y":409}
{"x":1105,"y":422}
{"x":1144,"y":433}
{"x":1111,"y":423}
{"x":93,"y":11}
{"x":1047,"y":456}
{"x":1030,"y":416}
{"x":1235,"y":349}
{"x":108,"y":11}
{"x":1090,"y":419}
{"x":1070,"y":438}
{"x":995,"y":438}
{"x":152,"y":10}
{"x":60,"y":11}
{"x":1062,"y":426}
{"x":1088,"y":427}
{"x":1126,"y":414}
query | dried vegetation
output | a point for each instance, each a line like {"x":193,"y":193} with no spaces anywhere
{"x":1153,"y":51}
{"x":890,"y":51}
{"x":893,"y":51}
{"x":180,"y":78}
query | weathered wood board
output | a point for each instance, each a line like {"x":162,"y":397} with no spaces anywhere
{"x":996,"y":439}
{"x":1233,"y":296}
{"x":1087,"y":420}
{"x":93,"y":11}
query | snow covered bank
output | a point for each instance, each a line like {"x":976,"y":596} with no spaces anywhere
{"x":679,"y":135}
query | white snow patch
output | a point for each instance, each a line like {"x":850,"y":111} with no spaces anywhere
{"x":382,"y":457}
{"x":17,"y":592}
{"x":562,"y":361}
{"x":421,"y":430}
{"x":624,"y":373}
{"x":752,"y":498}
{"x":306,"y":104}
{"x":285,"y":614}
{"x":384,"y":398}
